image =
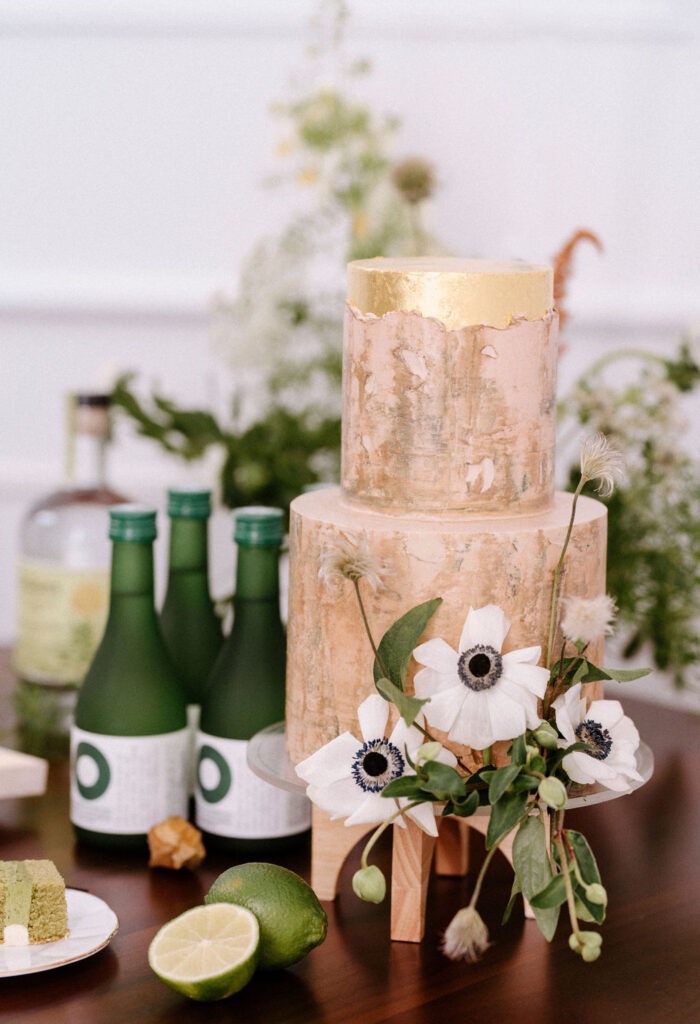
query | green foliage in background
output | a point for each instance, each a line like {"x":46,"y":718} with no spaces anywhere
{"x":654,"y":515}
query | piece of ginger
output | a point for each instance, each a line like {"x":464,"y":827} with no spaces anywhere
{"x":175,"y":843}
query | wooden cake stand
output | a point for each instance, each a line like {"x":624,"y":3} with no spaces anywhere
{"x":412,"y":851}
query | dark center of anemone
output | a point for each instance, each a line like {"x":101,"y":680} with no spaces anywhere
{"x":480,"y":667}
{"x":598,"y":738}
{"x":375,"y":764}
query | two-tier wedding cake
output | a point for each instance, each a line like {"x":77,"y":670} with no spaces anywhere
{"x":449,"y":407}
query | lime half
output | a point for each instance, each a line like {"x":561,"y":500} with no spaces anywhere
{"x":207,"y":953}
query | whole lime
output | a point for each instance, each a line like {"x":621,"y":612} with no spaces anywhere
{"x":291,"y":919}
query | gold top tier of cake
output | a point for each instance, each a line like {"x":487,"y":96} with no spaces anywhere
{"x":449,"y":386}
{"x":457,"y":292}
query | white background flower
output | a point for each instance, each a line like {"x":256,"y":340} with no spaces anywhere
{"x":613,"y":735}
{"x":345,"y":777}
{"x":478,"y":695}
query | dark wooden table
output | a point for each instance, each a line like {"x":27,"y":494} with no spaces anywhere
{"x":648,"y":848}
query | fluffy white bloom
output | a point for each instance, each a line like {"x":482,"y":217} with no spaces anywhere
{"x":586,"y":619}
{"x":349,"y":558}
{"x":612,"y":735}
{"x":600,"y":461}
{"x":478,"y":695}
{"x":466,"y":936}
{"x":345,"y":778}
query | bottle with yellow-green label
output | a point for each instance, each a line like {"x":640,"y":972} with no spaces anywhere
{"x":245,"y":693}
{"x":130,"y":742}
{"x":63,"y":582}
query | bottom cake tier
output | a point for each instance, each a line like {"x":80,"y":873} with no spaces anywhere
{"x":507,"y":561}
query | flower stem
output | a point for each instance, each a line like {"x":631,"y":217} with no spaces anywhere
{"x":487,"y":861}
{"x":382,"y":669}
{"x":486,"y":756}
{"x":569,"y":888}
{"x":383,"y":827}
{"x":557,"y":571}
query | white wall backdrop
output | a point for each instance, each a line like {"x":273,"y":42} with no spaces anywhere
{"x":135,"y":138}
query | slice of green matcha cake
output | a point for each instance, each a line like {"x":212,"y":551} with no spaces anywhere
{"x":32,"y":902}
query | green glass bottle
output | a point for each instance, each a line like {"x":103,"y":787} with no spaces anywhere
{"x":191,"y":629}
{"x":246,"y":692}
{"x":129,"y":743}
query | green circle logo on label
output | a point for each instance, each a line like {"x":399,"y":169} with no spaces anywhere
{"x":92,"y":773}
{"x":213,"y":774}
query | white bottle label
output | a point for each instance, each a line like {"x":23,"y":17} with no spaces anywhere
{"x":123,"y":785}
{"x":232,"y":801}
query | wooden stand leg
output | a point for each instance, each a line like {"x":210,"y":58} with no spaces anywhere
{"x":331,"y":842}
{"x":410,"y":871}
{"x":452,"y":849}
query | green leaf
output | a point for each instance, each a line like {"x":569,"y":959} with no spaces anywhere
{"x":400,"y":640}
{"x":578,"y":675}
{"x":504,"y":817}
{"x":534,"y":872}
{"x":409,"y":707}
{"x":518,"y":750}
{"x":526,"y":783}
{"x":465,"y":807}
{"x":589,"y":872}
{"x":620,"y":675}
{"x":485,"y":774}
{"x":582,"y":912}
{"x":553,"y":895}
{"x":584,"y":856}
{"x":626,"y":675}
{"x":442,"y":781}
{"x":408,"y":785}
{"x":500,"y":781}
{"x":514,"y":893}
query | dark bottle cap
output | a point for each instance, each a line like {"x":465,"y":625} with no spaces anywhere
{"x":95,"y":400}
{"x":258,"y":526}
{"x":189,"y":503}
{"x":132,"y":523}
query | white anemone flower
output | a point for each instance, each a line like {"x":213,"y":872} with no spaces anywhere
{"x":612,"y":735}
{"x":345,"y":777}
{"x":478,"y":695}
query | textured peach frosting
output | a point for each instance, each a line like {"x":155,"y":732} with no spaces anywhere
{"x":447,"y":470}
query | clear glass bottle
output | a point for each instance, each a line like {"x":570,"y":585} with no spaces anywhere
{"x":191,"y":627}
{"x":130,"y":742}
{"x":246,"y":692}
{"x":63,"y":583}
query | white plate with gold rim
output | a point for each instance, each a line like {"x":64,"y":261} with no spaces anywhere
{"x":91,"y":927}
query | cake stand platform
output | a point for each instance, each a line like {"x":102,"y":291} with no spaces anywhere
{"x":413,"y":850}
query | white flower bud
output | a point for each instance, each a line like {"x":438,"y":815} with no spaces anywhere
{"x":553,"y":793}
{"x":429,"y":751}
{"x":596,"y":893}
{"x":547,"y":736}
{"x":369,"y":884}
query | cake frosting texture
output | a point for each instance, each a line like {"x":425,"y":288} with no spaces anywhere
{"x":449,"y":397}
